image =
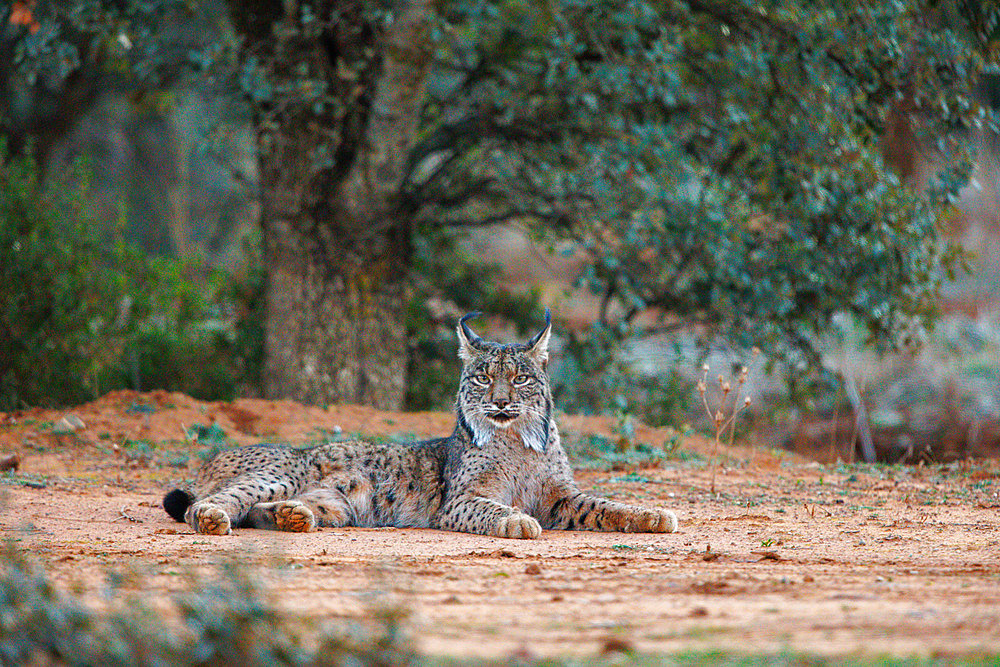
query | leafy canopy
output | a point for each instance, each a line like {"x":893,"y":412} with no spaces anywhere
{"x":720,"y":162}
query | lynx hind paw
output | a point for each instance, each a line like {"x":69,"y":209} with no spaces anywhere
{"x":518,"y":525}
{"x":654,"y":521}
{"x":294,"y":517}
{"x":210,"y":520}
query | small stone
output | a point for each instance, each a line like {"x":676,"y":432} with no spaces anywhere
{"x":532,"y":568}
{"x":617,"y":645}
{"x":68,"y":424}
{"x":502,"y":553}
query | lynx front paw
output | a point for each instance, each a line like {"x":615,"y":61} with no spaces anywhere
{"x":653,"y":521}
{"x":209,"y":520}
{"x":294,"y":517}
{"x":518,"y":525}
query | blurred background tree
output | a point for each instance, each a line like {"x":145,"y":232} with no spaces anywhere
{"x":739,"y":167}
{"x":720,"y":162}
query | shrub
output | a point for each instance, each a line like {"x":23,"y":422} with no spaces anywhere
{"x":221,"y":620}
{"x":59,"y":324}
{"x":82,"y":311}
{"x":190,"y":328}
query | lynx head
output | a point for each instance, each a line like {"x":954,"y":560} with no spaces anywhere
{"x":504,"y":386}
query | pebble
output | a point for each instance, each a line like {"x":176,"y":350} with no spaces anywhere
{"x":68,"y":424}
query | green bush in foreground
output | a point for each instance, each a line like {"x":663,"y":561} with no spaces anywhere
{"x":225,"y":622}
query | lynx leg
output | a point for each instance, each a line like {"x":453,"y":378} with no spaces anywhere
{"x":208,"y":519}
{"x":579,"y":511}
{"x":488,"y":517}
{"x":288,"y":515}
{"x":328,"y":506}
{"x":227,"y":507}
{"x":518,"y":525}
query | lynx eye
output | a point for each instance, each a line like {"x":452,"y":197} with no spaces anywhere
{"x":520,"y":380}
{"x":481,"y":379}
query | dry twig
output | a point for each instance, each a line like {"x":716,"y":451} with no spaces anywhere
{"x":724,"y":416}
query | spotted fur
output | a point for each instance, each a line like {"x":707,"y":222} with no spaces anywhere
{"x":502,"y":472}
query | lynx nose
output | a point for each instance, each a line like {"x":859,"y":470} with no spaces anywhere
{"x":500,"y":403}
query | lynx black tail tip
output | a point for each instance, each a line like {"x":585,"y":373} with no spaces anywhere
{"x":176,"y":503}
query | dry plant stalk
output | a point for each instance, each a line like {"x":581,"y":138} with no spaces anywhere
{"x":724,"y":416}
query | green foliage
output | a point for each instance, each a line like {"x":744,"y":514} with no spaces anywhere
{"x":221,"y":620}
{"x":61,"y":55}
{"x":191,"y":329}
{"x":59,"y":321}
{"x":211,"y":439}
{"x":589,"y":374}
{"x":81,"y":314}
{"x":594,"y":376}
{"x":212,"y":435}
{"x":720,"y":163}
{"x":983,"y":20}
{"x":738,"y":166}
{"x":596,"y":451}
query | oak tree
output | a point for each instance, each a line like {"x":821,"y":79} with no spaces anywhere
{"x":719,"y":162}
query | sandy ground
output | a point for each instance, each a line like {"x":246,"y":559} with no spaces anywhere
{"x":787,"y":554}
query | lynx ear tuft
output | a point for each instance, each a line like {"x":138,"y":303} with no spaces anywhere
{"x":468,"y":342}
{"x":538,"y":347}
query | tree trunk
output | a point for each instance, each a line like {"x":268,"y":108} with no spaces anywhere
{"x":335,"y":299}
{"x":335,"y":123}
{"x":335,"y":331}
